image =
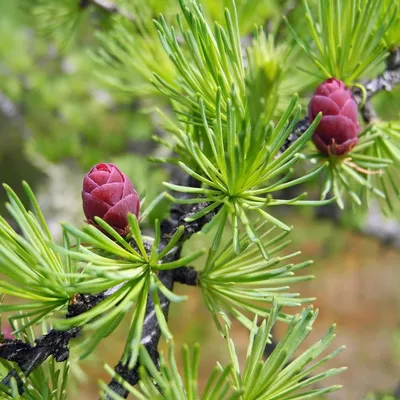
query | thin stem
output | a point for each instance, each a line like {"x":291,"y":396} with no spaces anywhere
{"x":151,"y":331}
{"x":150,"y":337}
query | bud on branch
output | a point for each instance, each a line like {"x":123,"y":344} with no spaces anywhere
{"x":337,"y":132}
{"x":109,"y":194}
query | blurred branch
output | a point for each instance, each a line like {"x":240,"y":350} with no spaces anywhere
{"x":12,"y":111}
{"x":7,"y":107}
{"x":107,"y":6}
{"x":376,"y":226}
{"x":386,"y":81}
{"x":397,"y":392}
{"x":288,"y":8}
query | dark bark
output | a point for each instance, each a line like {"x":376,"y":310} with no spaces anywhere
{"x":300,"y":127}
{"x":55,"y":343}
{"x":29,"y":357}
{"x":187,"y":276}
{"x":150,"y":337}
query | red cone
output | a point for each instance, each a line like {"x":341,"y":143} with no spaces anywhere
{"x":337,"y":132}
{"x":109,"y":194}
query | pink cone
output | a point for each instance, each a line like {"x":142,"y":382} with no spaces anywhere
{"x":109,"y":194}
{"x":337,"y":132}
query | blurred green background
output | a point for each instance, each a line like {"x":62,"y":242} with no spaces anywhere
{"x":57,"y":119}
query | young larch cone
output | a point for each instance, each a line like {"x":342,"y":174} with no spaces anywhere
{"x":109,"y":194}
{"x":337,"y":132}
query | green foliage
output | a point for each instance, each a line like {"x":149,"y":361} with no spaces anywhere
{"x":348,"y":177}
{"x":267,"y":63}
{"x":34,"y":271}
{"x":386,"y":146}
{"x":278,"y":377}
{"x":347,"y":36}
{"x":392,"y":34}
{"x":245,"y":282}
{"x":235,"y":108}
{"x":272,"y":379}
{"x":49,"y":382}
{"x":213,"y":62}
{"x":230,"y":144}
{"x":243,"y":169}
{"x":165,"y":382}
{"x":250,"y":13}
{"x":127,"y":273}
{"x":65,"y":114}
{"x":47,"y":276}
{"x":380,"y":397}
{"x":60,"y":19}
{"x":128,"y":51}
